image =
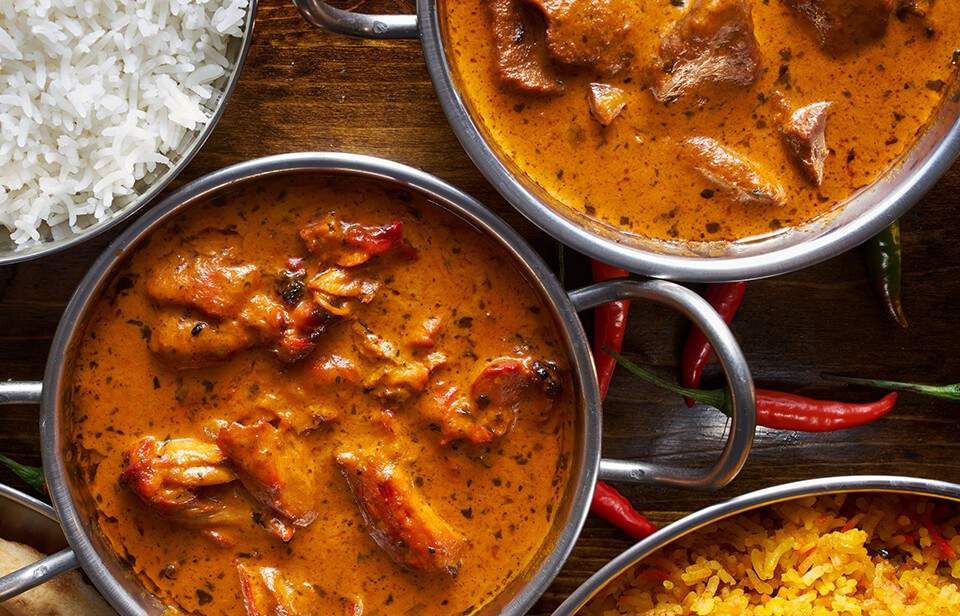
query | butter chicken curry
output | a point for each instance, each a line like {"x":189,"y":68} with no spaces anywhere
{"x":702,"y":120}
{"x":317,"y":395}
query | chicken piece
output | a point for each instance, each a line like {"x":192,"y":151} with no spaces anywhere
{"x":519,"y":37}
{"x":504,"y":389}
{"x":349,"y":244}
{"x":733,"y":173}
{"x":333,"y":289}
{"x":268,"y":592}
{"x":272,"y":464}
{"x":428,"y":332}
{"x":713,"y":43}
{"x":841,"y":26}
{"x":805,"y":139}
{"x":214,"y":284}
{"x":396,"y":376}
{"x":333,"y":370}
{"x":398,"y":517}
{"x":590,"y":33}
{"x":292,"y":333}
{"x":166,"y":474}
{"x":184,"y":341}
{"x":229,"y":526}
{"x":606,"y":102}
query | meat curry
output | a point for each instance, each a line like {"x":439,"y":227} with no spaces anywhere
{"x":702,"y":120}
{"x":319,"y":395}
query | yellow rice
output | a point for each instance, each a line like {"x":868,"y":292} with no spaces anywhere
{"x":862,"y":554}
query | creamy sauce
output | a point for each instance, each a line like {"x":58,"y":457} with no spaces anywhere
{"x":630,"y":175}
{"x":501,"y":496}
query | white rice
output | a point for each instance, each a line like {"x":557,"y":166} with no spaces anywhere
{"x":95,"y":94}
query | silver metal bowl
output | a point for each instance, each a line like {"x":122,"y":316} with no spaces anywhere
{"x":150,"y":186}
{"x":77,"y":512}
{"x":753,"y":500}
{"x":25,"y":519}
{"x":863,"y":216}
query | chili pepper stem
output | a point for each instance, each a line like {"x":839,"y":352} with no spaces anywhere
{"x":31,"y":475}
{"x":714,"y":397}
{"x":943,"y":392}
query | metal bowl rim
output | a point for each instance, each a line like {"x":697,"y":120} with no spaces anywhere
{"x":779,"y":260}
{"x":141,"y":201}
{"x":459,"y":203}
{"x":752,"y":500}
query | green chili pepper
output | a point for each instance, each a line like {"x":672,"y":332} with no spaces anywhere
{"x":943,"y":392}
{"x":883,"y":259}
{"x":31,"y":475}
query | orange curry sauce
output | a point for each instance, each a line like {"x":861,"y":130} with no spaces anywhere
{"x":632,"y":173}
{"x":322,"y":396}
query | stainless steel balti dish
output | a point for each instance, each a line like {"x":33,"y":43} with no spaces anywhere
{"x":107,"y":569}
{"x":861,"y":217}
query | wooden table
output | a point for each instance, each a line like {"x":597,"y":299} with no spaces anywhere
{"x":304,"y":90}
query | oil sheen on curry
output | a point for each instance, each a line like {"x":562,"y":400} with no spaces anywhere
{"x":703,"y":120}
{"x":318,"y":395}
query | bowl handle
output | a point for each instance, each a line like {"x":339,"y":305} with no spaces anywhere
{"x":735,"y":368}
{"x":37,"y":573}
{"x":338,"y":21}
{"x":20,"y":392}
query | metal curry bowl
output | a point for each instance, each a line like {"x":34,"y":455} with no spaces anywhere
{"x":748,"y":502}
{"x":867,"y":213}
{"x":152,"y":184}
{"x":106,"y":568}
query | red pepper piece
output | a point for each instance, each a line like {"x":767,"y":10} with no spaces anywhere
{"x":609,"y":325}
{"x":946,"y":550}
{"x":616,"y":509}
{"x":725,"y":298}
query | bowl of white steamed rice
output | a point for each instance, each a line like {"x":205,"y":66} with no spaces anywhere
{"x":102,"y":103}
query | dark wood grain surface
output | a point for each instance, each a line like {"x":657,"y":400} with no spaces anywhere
{"x":304,"y":90}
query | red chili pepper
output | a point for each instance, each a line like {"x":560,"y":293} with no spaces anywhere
{"x":784,"y":411}
{"x":725,"y":298}
{"x":946,"y":550}
{"x":609,"y":325}
{"x":779,"y":410}
{"x":616,"y":509}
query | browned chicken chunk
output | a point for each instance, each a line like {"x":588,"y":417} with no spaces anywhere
{"x":169,"y":476}
{"x":740,"y":178}
{"x":274,"y":465}
{"x":587,"y":33}
{"x":335,"y":287}
{"x":805,"y":139}
{"x":398,"y":517}
{"x":606,"y":102}
{"x":712,"y":43}
{"x":349,"y":244}
{"x":166,"y":474}
{"x":841,"y":26}
{"x":184,"y":341}
{"x":214,"y":284}
{"x":519,"y":36}
{"x":504,"y":389}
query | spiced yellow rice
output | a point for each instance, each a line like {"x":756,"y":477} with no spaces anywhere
{"x":857,"y":554}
